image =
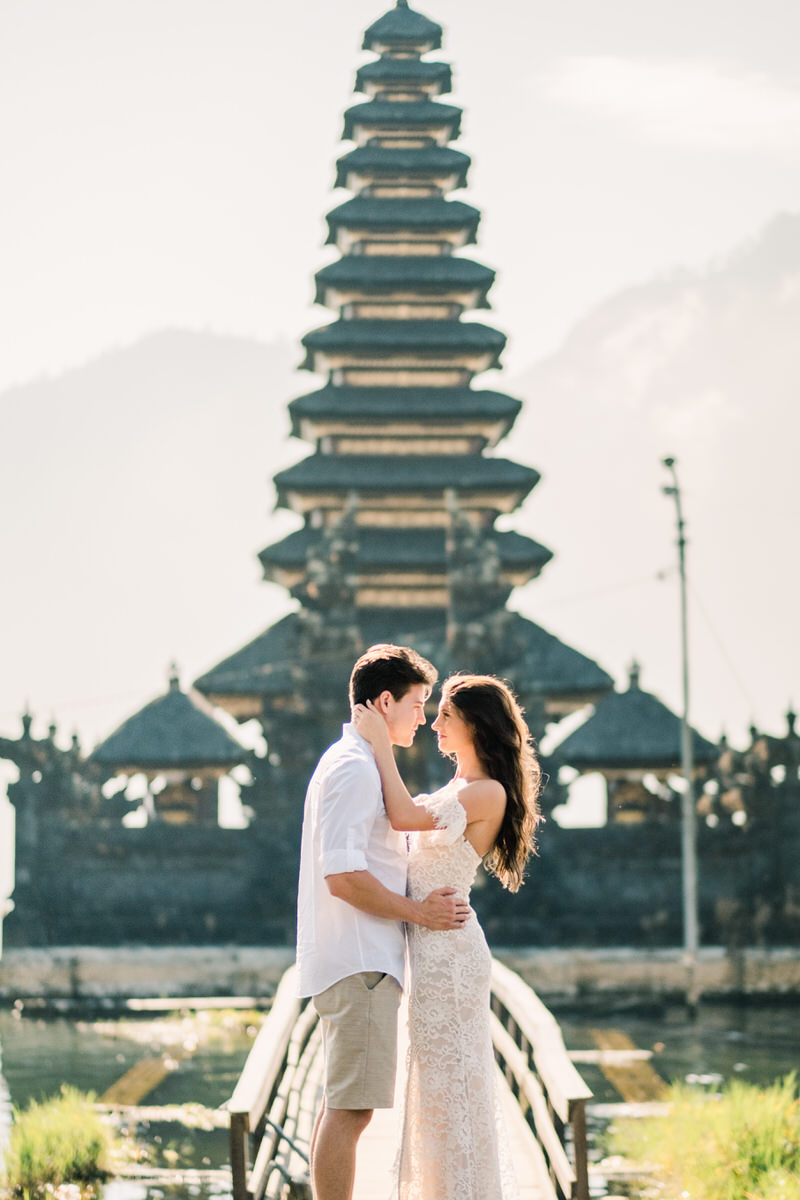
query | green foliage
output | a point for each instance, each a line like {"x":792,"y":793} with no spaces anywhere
{"x":61,"y":1140}
{"x":741,"y":1145}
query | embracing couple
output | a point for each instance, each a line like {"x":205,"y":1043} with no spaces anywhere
{"x":375,"y":860}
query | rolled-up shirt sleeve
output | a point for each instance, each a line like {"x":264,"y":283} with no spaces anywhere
{"x":348,"y":808}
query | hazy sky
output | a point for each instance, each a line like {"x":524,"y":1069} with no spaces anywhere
{"x":169,"y":164}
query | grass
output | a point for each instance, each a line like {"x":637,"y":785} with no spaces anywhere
{"x":741,"y":1145}
{"x":57,"y":1141}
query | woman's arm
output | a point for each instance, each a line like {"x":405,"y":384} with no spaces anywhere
{"x":403,"y":813}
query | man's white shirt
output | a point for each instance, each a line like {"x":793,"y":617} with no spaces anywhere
{"x":345,"y":828}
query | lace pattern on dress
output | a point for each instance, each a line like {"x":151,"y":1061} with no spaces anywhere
{"x":454,"y":1145}
{"x":449,"y":817}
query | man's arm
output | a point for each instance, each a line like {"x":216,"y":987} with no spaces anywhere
{"x":439,"y":910}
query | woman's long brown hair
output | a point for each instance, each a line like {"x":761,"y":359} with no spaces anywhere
{"x":504,"y":747}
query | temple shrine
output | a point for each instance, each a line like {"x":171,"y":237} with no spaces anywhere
{"x":397,"y":506}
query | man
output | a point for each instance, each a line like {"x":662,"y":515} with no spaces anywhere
{"x":351,"y":906}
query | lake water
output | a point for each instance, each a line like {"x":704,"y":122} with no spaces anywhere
{"x":206,"y":1051}
{"x":750,"y":1041}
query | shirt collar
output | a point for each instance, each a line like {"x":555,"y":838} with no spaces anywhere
{"x":350,"y":732}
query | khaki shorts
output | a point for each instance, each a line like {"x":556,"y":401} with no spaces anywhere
{"x":358,"y":1015}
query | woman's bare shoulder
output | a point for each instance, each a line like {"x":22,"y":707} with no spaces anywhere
{"x":482,"y":798}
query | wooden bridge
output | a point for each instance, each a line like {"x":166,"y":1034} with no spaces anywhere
{"x":273,"y":1107}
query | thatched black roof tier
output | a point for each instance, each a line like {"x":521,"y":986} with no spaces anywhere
{"x":268,"y":665}
{"x":402,"y":27}
{"x":431,"y":213}
{"x":545,"y":664}
{"x":417,"y":115}
{"x":374,"y":405}
{"x":632,"y":729}
{"x":404,"y":548}
{"x":536,"y":660}
{"x":405,"y":472}
{"x":387,"y":337}
{"x":413,"y":71}
{"x":178,"y":730}
{"x":388,"y":272}
{"x":388,"y":161}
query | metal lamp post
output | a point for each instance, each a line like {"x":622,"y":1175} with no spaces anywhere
{"x":688,"y":811}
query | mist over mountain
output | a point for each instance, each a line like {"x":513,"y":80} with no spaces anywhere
{"x":704,"y":366}
{"x":136,"y":492}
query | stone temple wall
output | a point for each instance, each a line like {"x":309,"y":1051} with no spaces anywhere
{"x":87,"y":884}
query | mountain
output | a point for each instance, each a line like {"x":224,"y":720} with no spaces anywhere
{"x":136,"y":493}
{"x":704,"y":366}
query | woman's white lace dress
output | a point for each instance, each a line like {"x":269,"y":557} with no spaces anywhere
{"x":453,"y":1143}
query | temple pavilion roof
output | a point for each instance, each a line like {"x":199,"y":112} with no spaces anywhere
{"x":393,"y":161}
{"x":430,"y":212}
{"x":412,"y":71}
{"x":413,"y":335}
{"x":262,"y":667}
{"x":546,"y":664}
{"x":404,"y":547}
{"x":387,"y":272}
{"x":418,"y":115}
{"x":176,"y":730}
{"x":376,"y":404}
{"x":402,"y":27}
{"x":632,"y":729}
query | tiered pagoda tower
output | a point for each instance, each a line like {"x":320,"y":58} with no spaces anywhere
{"x":399,"y":499}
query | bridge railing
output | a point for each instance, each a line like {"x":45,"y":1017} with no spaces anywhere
{"x":271,"y":1110}
{"x":550,"y":1092}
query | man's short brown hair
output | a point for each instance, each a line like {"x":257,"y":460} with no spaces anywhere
{"x":387,"y":668}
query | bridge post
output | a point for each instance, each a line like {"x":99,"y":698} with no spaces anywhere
{"x":577,"y":1118}
{"x":238,"y":1143}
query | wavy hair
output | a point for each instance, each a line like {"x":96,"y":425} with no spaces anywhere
{"x":504,"y":746}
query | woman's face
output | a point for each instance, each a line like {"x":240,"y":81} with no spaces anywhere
{"x":452,"y":731}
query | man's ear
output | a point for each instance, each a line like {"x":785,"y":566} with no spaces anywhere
{"x":382,"y":702}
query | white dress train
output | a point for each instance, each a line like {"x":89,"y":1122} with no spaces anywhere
{"x":454,"y":1145}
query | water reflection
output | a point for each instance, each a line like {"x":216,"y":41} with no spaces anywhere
{"x":180,"y":1137}
{"x":756,"y":1042}
{"x":127,"y":1189}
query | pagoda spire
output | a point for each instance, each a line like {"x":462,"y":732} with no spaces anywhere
{"x":414,"y":452}
{"x":397,"y":501}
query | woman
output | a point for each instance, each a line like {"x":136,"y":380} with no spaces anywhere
{"x":452,"y":1146}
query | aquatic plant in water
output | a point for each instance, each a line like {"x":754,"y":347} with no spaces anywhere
{"x":742,"y":1144}
{"x":56,"y":1141}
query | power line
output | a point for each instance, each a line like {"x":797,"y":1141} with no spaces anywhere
{"x":609,"y":589}
{"x":721,"y":647}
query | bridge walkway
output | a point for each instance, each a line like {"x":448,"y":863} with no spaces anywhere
{"x":273,"y":1106}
